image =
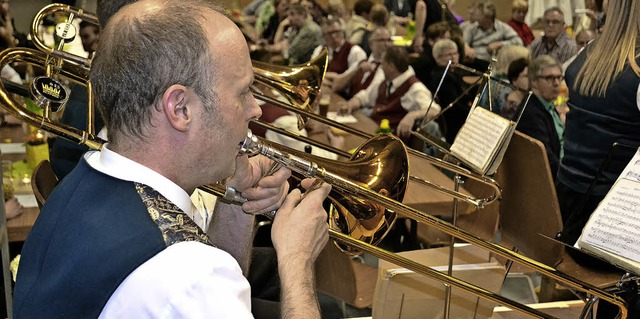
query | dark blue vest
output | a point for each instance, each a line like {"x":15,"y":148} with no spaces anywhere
{"x":593,"y":125}
{"x":73,"y":259}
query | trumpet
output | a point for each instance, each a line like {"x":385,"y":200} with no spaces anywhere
{"x":373,"y":202}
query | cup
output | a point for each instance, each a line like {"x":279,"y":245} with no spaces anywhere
{"x":325,"y":100}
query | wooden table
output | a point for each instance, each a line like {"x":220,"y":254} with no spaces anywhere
{"x":18,"y":228}
{"x":418,"y":195}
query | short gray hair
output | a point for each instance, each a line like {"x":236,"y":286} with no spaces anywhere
{"x":443,"y":45}
{"x":540,"y":63}
{"x":139,"y":57}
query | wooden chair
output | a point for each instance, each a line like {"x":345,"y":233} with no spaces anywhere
{"x":43,"y":181}
{"x":345,"y":278}
{"x":530,"y":209}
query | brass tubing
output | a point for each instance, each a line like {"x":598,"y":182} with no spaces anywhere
{"x":433,"y":160}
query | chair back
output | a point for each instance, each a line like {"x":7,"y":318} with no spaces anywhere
{"x":43,"y":181}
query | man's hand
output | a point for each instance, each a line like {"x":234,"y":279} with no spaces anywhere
{"x":493,"y":47}
{"x":300,"y":229}
{"x":405,"y":126}
{"x":264,"y":192}
{"x":469,"y":52}
{"x":13,"y":208}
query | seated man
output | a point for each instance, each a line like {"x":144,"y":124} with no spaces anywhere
{"x":401,"y":97}
{"x":555,"y":41}
{"x":343,"y":55}
{"x":368,"y":72}
{"x":300,"y":39}
{"x":540,"y":119}
{"x":486,"y":36}
{"x":122,"y":222}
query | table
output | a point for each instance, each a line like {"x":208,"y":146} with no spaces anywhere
{"x":18,"y":228}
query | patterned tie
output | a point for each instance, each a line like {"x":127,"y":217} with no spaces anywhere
{"x":175,"y":225}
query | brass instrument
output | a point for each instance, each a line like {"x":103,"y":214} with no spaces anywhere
{"x":352,"y":192}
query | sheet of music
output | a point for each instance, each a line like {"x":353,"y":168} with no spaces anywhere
{"x":615,"y":225}
{"x":479,"y":137}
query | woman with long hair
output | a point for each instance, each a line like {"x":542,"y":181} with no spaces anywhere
{"x":604,"y":95}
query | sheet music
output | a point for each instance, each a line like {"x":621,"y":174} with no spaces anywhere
{"x":479,"y":137}
{"x":615,"y":224}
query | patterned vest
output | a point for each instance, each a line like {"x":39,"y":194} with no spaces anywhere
{"x":389,"y":107}
{"x":91,"y":234}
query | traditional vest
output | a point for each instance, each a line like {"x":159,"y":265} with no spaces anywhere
{"x":270,"y":113}
{"x":340,"y":60}
{"x":358,"y":84}
{"x":93,"y":231}
{"x":389,"y":107}
{"x":611,"y":118}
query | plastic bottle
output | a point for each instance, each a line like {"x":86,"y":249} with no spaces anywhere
{"x":384,"y":127}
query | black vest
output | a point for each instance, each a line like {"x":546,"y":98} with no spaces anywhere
{"x":593,"y":125}
{"x":93,"y":231}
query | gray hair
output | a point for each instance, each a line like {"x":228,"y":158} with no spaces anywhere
{"x":443,"y":45}
{"x":139,"y":58}
{"x":540,"y":63}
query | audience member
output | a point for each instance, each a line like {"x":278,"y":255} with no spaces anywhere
{"x":400,"y":8}
{"x":519,"y":10}
{"x":496,"y":89}
{"x":452,"y":89}
{"x":303,"y":36}
{"x":98,"y":258}
{"x":401,"y":97}
{"x":428,"y":12}
{"x":474,"y":14}
{"x":357,"y":26}
{"x":518,"y":73}
{"x":555,"y":41}
{"x":425,"y":61}
{"x":583,"y":38}
{"x":343,"y":55}
{"x":485,"y":37}
{"x":368,"y":72}
{"x":90,"y":34}
{"x":379,"y":16}
{"x":540,"y":119}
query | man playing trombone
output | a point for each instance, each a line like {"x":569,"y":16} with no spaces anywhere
{"x":119,"y":236}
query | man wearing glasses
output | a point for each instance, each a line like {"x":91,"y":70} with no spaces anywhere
{"x":540,"y":119}
{"x":555,"y":41}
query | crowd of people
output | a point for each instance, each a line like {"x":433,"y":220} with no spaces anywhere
{"x":175,"y":114}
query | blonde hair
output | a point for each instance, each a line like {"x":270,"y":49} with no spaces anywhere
{"x":519,"y":4}
{"x":508,"y":54}
{"x":609,"y":54}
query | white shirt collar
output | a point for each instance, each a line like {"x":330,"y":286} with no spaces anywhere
{"x":120,"y":167}
{"x":395,"y":83}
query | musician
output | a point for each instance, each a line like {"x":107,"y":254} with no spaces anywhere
{"x":401,"y":97}
{"x":344,"y":56}
{"x":368,"y":71}
{"x":119,"y":237}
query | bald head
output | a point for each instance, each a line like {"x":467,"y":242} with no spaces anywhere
{"x":150,"y":45}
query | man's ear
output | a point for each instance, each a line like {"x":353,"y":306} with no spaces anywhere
{"x":176,"y":107}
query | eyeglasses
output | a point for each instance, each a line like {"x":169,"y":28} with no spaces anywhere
{"x":448,"y":54}
{"x":552,"y":78}
{"x":552,"y":22}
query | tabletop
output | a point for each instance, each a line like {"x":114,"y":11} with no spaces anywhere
{"x":18,"y":227}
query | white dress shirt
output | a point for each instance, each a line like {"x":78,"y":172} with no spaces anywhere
{"x":418,"y":97}
{"x":187,"y":279}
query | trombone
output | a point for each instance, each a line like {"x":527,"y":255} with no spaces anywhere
{"x":376,"y":200}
